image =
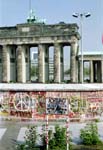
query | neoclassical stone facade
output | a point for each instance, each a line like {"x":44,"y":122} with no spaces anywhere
{"x":15,"y":59}
{"x":15,"y":44}
{"x":95,"y":66}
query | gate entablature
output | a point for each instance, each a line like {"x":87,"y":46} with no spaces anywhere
{"x":30,"y":33}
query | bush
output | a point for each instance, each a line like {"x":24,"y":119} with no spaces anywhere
{"x":30,"y":140}
{"x":58,"y":139}
{"x":89,"y":134}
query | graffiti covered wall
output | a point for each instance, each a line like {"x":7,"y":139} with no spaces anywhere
{"x":56,"y":104}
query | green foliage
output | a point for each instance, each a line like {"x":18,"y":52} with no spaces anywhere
{"x":58,"y":139}
{"x":30,"y":136}
{"x":97,"y":120}
{"x":67,"y":72}
{"x":86,"y":71}
{"x":34,"y":70}
{"x":89,"y":134}
{"x":43,"y":137}
{"x":30,"y":140}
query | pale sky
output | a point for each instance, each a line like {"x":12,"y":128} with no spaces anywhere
{"x":54,"y":11}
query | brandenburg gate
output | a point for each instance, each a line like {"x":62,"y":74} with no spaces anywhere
{"x":15,"y":59}
{"x":15,"y":44}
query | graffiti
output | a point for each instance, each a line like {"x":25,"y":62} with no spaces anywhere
{"x":41,"y":105}
{"x":4,"y":102}
{"x":38,"y":104}
{"x":21,"y":102}
{"x":56,"y":106}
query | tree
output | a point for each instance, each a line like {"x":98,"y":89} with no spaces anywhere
{"x":34,"y":71}
{"x":89,"y":134}
{"x":31,"y":136}
{"x":86,"y":71}
{"x":58,"y":139}
{"x":67,"y":72}
{"x":30,"y":140}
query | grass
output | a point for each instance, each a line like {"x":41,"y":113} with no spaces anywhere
{"x":83,"y":147}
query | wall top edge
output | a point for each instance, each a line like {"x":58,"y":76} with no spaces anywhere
{"x":50,"y":87}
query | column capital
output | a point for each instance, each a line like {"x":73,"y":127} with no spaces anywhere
{"x":74,"y":40}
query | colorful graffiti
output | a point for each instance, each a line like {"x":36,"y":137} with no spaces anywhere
{"x":55,"y":104}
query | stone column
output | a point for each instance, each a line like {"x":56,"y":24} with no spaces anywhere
{"x":80,"y":70}
{"x":98,"y":71}
{"x":6,"y":63}
{"x":13,"y":63}
{"x":41,"y":63}
{"x":21,"y":65}
{"x":91,"y":72}
{"x":73,"y":65}
{"x":102,"y":71}
{"x":0,"y":63}
{"x":62,"y":64}
{"x":46,"y":63}
{"x":28,"y":67}
{"x":94,"y":71}
{"x":57,"y":69}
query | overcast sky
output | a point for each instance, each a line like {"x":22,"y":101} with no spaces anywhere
{"x":16,"y":11}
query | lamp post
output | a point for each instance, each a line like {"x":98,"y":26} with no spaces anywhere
{"x":81,"y":16}
{"x":29,"y":5}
